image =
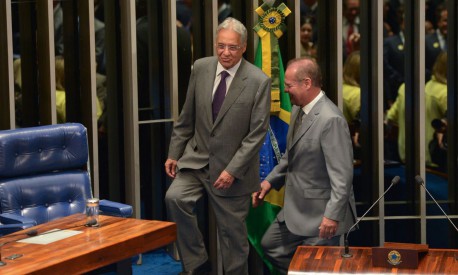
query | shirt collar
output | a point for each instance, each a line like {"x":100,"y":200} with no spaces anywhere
{"x":307,"y":108}
{"x":231,"y":71}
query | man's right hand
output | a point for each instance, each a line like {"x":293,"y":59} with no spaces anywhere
{"x":258,"y":197}
{"x":171,"y":168}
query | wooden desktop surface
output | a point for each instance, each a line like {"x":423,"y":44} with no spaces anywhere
{"x":115,"y":240}
{"x":327,"y":259}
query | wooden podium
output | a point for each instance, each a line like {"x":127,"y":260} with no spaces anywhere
{"x":328,"y":259}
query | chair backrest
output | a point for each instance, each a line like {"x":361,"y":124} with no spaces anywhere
{"x":43,"y":172}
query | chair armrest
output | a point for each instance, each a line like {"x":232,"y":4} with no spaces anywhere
{"x":10,"y":223}
{"x":7,"y":218}
{"x":6,"y":229}
{"x":112,"y":208}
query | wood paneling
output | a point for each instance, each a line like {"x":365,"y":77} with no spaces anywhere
{"x":322,"y":259}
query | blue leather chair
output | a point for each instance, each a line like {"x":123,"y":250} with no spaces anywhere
{"x":44,"y":176}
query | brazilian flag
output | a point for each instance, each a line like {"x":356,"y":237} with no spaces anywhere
{"x":268,"y":58}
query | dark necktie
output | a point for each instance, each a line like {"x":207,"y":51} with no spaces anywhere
{"x":298,"y":123}
{"x":219,"y":95}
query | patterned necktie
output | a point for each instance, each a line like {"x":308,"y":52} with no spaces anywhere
{"x":219,"y":95}
{"x":298,"y":123}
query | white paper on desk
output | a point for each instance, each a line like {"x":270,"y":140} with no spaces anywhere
{"x":51,"y":236}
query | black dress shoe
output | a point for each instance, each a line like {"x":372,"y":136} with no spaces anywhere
{"x":203,"y":269}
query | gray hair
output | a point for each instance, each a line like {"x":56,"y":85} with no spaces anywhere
{"x":234,"y":25}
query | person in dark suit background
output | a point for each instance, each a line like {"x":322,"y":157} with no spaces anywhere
{"x":393,"y":62}
{"x":350,"y":26}
{"x":316,"y":170}
{"x":217,"y":151}
{"x":224,"y":10}
{"x":437,"y":41}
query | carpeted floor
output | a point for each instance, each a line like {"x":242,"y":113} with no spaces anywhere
{"x":157,"y":262}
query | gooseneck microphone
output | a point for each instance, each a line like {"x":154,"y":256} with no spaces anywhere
{"x":34,"y":232}
{"x":420,"y":181}
{"x":346,"y":253}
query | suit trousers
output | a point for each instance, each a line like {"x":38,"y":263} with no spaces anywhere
{"x":279,"y":244}
{"x":230,"y":212}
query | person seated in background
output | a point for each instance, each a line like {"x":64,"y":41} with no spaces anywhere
{"x":350,"y":27}
{"x":393,"y":62}
{"x":60,"y":92}
{"x":435,"y":107}
{"x":309,"y":8}
{"x":351,"y":94}
{"x":17,"y":91}
{"x":438,"y":147}
{"x":436,"y":42}
{"x":351,"y":91}
{"x":308,"y":48}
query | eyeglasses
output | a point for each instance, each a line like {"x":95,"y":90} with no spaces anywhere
{"x":295,"y":83}
{"x":231,"y":48}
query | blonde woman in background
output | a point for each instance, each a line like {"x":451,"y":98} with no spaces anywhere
{"x":60,"y":92}
{"x":351,"y":93}
{"x":435,"y":107}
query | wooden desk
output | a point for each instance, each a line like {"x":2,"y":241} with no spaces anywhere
{"x":327,"y":259}
{"x":115,"y":240}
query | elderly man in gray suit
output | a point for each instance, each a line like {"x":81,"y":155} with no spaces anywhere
{"x":214,"y":149}
{"x":316,"y":169}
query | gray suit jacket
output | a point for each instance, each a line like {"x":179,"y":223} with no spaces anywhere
{"x":317,"y":169}
{"x":233,"y":141}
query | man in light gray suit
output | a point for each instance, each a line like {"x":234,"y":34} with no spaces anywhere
{"x":316,"y":169}
{"x":214,"y":148}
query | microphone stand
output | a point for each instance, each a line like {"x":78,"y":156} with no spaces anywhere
{"x":346,"y":253}
{"x":420,"y":181}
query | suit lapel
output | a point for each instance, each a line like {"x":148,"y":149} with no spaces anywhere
{"x":307,"y":121}
{"x":236,"y":88}
{"x":211,"y":74}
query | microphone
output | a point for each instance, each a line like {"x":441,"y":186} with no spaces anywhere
{"x":420,"y":181}
{"x":33,"y":232}
{"x":346,"y":253}
{"x":29,"y":233}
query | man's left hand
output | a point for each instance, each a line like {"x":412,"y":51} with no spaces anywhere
{"x":224,"y":181}
{"x":328,"y":228}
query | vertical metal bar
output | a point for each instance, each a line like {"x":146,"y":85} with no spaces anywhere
{"x":72,"y":60}
{"x":415,"y":106}
{"x":130,"y":104}
{"x":171,"y":61}
{"x":29,"y":68}
{"x":330,"y":48}
{"x":452,"y":107}
{"x":114,"y":112}
{"x":292,"y":36}
{"x":46,"y":65}
{"x":372,"y":102}
{"x":88,"y":85}
{"x":7,"y":116}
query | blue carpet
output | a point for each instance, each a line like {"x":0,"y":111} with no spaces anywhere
{"x":157,"y":262}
